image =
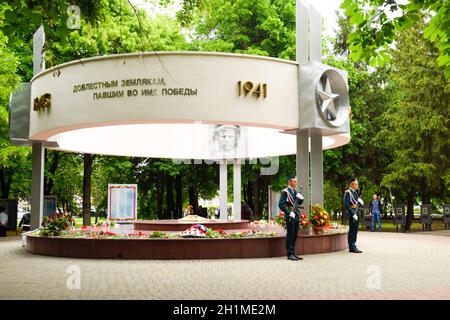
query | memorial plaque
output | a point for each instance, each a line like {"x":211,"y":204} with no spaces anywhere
{"x":122,"y":201}
{"x":399,"y":214}
{"x":446,"y":216}
{"x":425,"y":214}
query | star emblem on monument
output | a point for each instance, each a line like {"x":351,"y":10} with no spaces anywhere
{"x":328,"y":100}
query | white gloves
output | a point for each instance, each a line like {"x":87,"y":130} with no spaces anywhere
{"x":292,"y":215}
{"x":355,"y":217}
{"x":300,"y":196}
{"x":361,"y":202}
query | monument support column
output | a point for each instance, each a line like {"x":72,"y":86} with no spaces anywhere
{"x":223,"y":195}
{"x":316,"y":168}
{"x":302,"y":56}
{"x":302,"y":166}
{"x":37,"y":184}
{"x":38,"y":156}
{"x":237,"y":189}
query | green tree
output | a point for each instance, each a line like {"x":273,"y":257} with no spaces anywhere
{"x":260,"y":27}
{"x":417,"y":121}
{"x":377,"y":27}
{"x":106,"y":27}
{"x":12,"y":158}
{"x":361,"y":157}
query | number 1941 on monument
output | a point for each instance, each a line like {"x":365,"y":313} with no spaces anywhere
{"x":248,"y":88}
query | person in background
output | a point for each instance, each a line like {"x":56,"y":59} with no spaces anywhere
{"x":375,"y":212}
{"x":25,"y":222}
{"x":3,"y":221}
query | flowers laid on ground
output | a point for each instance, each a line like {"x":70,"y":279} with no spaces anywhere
{"x":195,"y":231}
{"x":212,"y":234}
{"x":105,"y":224}
{"x":56,"y":224}
{"x":252,"y":234}
{"x":318,"y":216}
{"x":157,"y":235}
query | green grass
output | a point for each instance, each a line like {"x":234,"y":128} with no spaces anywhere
{"x":388,"y":226}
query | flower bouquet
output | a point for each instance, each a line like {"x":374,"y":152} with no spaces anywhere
{"x":56,"y":224}
{"x":196,"y":231}
{"x":319,"y":218}
{"x":280,"y":219}
{"x":304,"y":224}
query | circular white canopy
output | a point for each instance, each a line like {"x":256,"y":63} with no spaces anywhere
{"x":180,"y":105}
{"x":184,"y":141}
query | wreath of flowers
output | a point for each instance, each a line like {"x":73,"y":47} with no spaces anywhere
{"x":195,"y":231}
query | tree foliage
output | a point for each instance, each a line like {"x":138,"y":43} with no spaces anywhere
{"x":377,"y":24}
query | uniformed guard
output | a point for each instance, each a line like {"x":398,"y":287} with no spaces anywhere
{"x":351,"y":203}
{"x":291,"y":216}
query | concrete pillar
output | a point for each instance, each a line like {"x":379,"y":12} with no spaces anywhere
{"x":37,"y":184}
{"x":315,"y":37}
{"x":316,"y":168}
{"x":37,"y":149}
{"x":302,"y":47}
{"x":223,"y":195}
{"x":302,"y":166}
{"x":237,"y":189}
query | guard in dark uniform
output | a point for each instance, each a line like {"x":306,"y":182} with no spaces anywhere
{"x":292,"y":218}
{"x":351,"y":202}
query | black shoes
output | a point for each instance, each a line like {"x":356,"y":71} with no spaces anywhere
{"x":356,"y":251}
{"x":294,"y":257}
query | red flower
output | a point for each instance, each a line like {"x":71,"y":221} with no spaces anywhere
{"x":83,"y":227}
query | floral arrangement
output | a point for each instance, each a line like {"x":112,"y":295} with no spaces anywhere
{"x":212,"y":234}
{"x":56,"y":224}
{"x":304,"y":221}
{"x":195,"y":231}
{"x":280,"y":219}
{"x":318,"y":216}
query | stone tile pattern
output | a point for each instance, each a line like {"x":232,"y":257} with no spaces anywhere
{"x":411,"y":266}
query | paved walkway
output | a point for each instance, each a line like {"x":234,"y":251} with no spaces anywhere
{"x":393,"y":266}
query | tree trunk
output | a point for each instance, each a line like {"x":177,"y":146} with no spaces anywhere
{"x":179,"y":197}
{"x":169,"y":198}
{"x":244,"y":191}
{"x":160,"y":196}
{"x":409,"y":210}
{"x":257,"y":202}
{"x":5,"y":183}
{"x":249,"y":193}
{"x":193,"y":197}
{"x":48,"y":179}
{"x":264,"y":181}
{"x":87,"y":175}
